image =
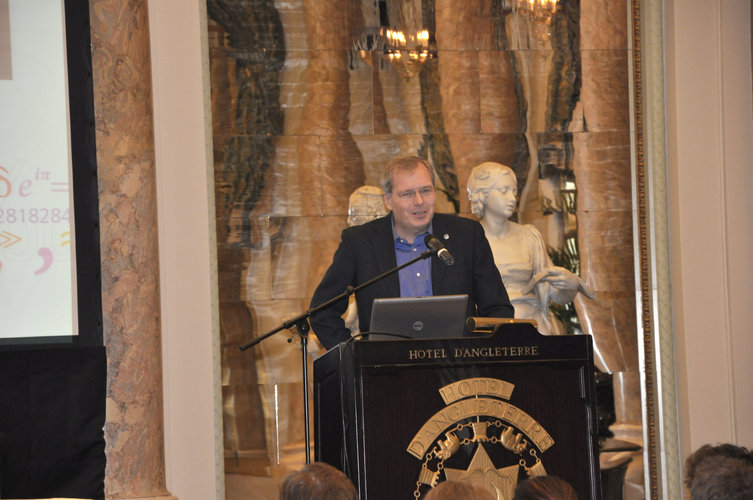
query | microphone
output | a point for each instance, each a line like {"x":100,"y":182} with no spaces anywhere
{"x":433,"y":243}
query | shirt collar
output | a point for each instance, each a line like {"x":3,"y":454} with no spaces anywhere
{"x":420,"y":237}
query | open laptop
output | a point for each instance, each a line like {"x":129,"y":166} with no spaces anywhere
{"x":439,"y":316}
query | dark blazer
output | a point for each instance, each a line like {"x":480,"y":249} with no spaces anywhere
{"x":368,"y":250}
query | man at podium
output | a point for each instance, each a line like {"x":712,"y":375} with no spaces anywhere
{"x":462,"y":261}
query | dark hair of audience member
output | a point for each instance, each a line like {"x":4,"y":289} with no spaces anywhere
{"x":545,"y":488}
{"x":452,"y":490}
{"x":722,"y":478}
{"x":710,"y":453}
{"x":317,"y":481}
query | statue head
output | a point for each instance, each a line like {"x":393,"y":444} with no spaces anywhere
{"x":485,"y":177}
{"x":365,"y":203}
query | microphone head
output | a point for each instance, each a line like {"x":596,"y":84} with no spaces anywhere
{"x":432,"y":242}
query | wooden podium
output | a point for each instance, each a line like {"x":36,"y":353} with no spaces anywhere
{"x":400,"y":416}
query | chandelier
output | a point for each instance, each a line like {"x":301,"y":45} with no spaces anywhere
{"x":405,"y":50}
{"x":413,"y":46}
{"x":396,"y":37}
{"x":537,"y":10}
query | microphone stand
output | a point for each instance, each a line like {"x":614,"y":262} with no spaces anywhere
{"x":302,"y":327}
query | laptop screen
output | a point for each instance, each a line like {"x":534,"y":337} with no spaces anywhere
{"x":439,"y":316}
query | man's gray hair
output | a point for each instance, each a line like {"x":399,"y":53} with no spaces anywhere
{"x":403,"y":164}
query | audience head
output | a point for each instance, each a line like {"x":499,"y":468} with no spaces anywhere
{"x":317,"y":481}
{"x":722,"y":471}
{"x":709,"y":453}
{"x":723,"y":479}
{"x":451,"y":490}
{"x":545,"y":488}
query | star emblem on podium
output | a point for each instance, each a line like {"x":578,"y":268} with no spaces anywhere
{"x":481,"y":471}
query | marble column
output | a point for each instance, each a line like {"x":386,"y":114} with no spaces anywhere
{"x":134,"y":432}
{"x":605,"y":227}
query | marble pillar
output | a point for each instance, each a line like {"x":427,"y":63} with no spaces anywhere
{"x":605,"y":229}
{"x":128,"y":233}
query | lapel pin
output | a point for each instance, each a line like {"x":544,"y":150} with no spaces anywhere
{"x":446,"y":236}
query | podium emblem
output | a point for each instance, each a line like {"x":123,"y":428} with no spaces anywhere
{"x":477,"y":418}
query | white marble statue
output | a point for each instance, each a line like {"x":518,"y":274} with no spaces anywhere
{"x":365,"y":203}
{"x":532,"y":281}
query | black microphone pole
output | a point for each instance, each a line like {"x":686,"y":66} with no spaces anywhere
{"x":302,"y":326}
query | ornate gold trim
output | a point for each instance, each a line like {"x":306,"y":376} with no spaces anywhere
{"x":642,"y":247}
{"x":661,"y":437}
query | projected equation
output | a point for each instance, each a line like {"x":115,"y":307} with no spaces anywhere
{"x":33,"y":215}
{"x":27,"y":201}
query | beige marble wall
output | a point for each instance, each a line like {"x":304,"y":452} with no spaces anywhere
{"x":128,"y":233}
{"x":300,"y":121}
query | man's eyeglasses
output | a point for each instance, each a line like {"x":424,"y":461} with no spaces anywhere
{"x":425,"y":192}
